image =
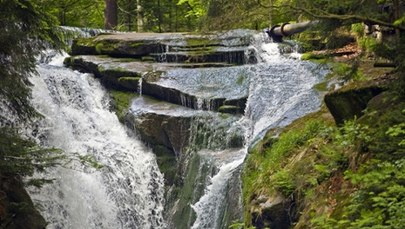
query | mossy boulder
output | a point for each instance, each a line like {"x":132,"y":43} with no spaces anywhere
{"x":273,"y":212}
{"x":349,"y":102}
{"x":16,"y":208}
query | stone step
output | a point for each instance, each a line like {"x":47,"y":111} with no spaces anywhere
{"x":171,"y":47}
{"x":236,"y":56}
{"x":200,"y":89}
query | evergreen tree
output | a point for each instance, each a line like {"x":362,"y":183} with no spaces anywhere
{"x":26,"y":30}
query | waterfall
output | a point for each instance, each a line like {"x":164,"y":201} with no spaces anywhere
{"x":280,"y":91}
{"x":127,"y":192}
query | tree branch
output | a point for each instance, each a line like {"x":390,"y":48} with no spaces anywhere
{"x":342,"y":17}
{"x":346,"y":17}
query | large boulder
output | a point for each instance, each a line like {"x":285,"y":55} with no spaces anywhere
{"x":273,"y":211}
{"x":349,"y":102}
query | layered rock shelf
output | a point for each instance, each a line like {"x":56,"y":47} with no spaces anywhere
{"x":203,"y":72}
{"x":228,"y":47}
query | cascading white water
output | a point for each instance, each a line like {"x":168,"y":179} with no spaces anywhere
{"x":127,"y":192}
{"x":280,"y":91}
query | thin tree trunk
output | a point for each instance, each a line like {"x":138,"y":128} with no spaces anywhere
{"x":139,"y":18}
{"x":159,"y":16}
{"x":397,"y":15}
{"x":111,"y":14}
{"x":270,"y":13}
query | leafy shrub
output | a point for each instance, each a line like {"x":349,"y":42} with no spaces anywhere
{"x":283,"y":182}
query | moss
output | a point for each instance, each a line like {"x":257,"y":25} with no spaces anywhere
{"x":313,"y":56}
{"x":130,"y":83}
{"x":153,"y":76}
{"x":148,"y":59}
{"x":188,"y":190}
{"x":85,"y":41}
{"x":106,"y":46}
{"x":323,"y":86}
{"x":136,"y":44}
{"x":167,"y":164}
{"x":241,"y":79}
{"x":82,"y":46}
{"x":229,"y":109}
{"x":122,"y":102}
{"x":68,"y":61}
{"x":201,"y":42}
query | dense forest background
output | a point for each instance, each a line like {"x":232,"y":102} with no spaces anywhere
{"x":192,"y":15}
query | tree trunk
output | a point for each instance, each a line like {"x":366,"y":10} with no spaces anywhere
{"x":159,"y":16}
{"x":397,"y":14}
{"x":270,"y":13}
{"x":139,"y":18}
{"x":111,"y":14}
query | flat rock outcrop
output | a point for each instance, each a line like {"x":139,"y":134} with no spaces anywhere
{"x":203,"y":89}
{"x":349,"y":102}
{"x":230,"y":47}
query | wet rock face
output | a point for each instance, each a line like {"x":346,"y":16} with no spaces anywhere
{"x":166,"y":135}
{"x":177,"y":134}
{"x":346,"y":104}
{"x":167,"y":131}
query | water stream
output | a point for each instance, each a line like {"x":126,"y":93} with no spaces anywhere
{"x":127,"y":192}
{"x":280,"y":91}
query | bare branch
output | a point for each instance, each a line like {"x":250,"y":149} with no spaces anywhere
{"x":345,"y":17}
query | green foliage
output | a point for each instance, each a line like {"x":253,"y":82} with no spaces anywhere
{"x":347,"y":71}
{"x":89,"y":160}
{"x":347,"y":177}
{"x":84,"y":13}
{"x":26,"y":31}
{"x":369,"y":44}
{"x":397,"y":131}
{"x":351,"y":133}
{"x":22,"y":156}
{"x":380,"y":199}
{"x":197,"y":8}
{"x":283,"y":182}
{"x":358,"y":29}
